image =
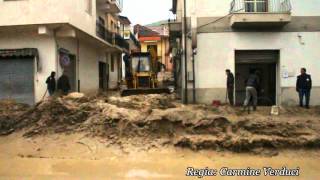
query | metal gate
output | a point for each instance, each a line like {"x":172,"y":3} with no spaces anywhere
{"x":17,"y":79}
{"x":264,"y":61}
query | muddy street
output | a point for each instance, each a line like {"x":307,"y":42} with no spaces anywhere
{"x":78,"y":157}
{"x":161,"y":120}
{"x":154,"y":136}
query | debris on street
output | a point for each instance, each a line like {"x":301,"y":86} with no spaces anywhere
{"x":158,"y":120}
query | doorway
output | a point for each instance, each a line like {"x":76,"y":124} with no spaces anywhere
{"x":102,"y":76}
{"x":70,"y":71}
{"x":264,"y":61}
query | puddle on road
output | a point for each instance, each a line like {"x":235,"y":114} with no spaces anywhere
{"x":64,"y":158}
{"x":170,"y":164}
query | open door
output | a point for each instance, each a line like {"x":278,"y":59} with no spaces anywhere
{"x":102,"y":76}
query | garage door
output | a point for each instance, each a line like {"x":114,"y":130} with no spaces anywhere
{"x":16,"y":79}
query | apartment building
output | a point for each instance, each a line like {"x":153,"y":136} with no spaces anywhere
{"x":127,"y":33}
{"x":37,"y":37}
{"x":275,"y":37}
{"x":156,"y":38}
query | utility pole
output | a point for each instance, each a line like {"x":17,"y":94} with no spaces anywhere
{"x":185,"y":32}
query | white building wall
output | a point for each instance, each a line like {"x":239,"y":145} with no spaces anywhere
{"x":216,"y":53}
{"x":26,"y":12}
{"x":89,"y":59}
{"x":113,"y":75}
{"x":88,"y":64}
{"x":47,"y":56}
{"x":215,"y":8}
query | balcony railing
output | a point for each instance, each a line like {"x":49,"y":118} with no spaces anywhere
{"x":260,"y":6}
{"x":121,"y":42}
{"x":135,"y":40}
{"x":104,"y":34}
{"x":111,"y":37}
{"x":119,"y":3}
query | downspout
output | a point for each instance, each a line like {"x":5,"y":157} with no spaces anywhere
{"x":194,"y":40}
{"x":185,"y":55}
{"x":193,"y":78}
{"x":78,"y":63}
{"x":56,"y":51}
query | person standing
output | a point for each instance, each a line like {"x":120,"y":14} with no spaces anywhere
{"x":303,"y":87}
{"x":51,"y":83}
{"x":64,"y":84}
{"x":252,"y":84}
{"x":230,"y":86}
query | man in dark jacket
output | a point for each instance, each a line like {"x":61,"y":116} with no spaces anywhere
{"x":51,"y":83}
{"x":230,"y":86}
{"x":64,"y":84}
{"x":252,"y":84}
{"x":304,"y":86}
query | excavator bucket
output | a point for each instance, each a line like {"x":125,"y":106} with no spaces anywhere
{"x":130,"y":92}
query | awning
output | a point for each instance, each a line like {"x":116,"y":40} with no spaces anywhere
{"x":19,"y":52}
{"x":25,"y":52}
{"x":143,"y":39}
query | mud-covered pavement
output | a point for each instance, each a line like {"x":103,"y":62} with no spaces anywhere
{"x":145,"y":132}
{"x":79,"y":157}
{"x":151,"y":121}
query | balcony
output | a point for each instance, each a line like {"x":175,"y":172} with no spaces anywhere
{"x":104,"y":34}
{"x":110,"y":6}
{"x":260,"y":13}
{"x":135,"y":40}
{"x":121,"y":42}
{"x":111,"y":37}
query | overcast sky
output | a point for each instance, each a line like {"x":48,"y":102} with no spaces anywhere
{"x":147,"y":11}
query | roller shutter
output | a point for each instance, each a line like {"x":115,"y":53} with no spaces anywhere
{"x":17,"y":79}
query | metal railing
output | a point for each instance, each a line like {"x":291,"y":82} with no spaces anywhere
{"x":119,"y":3}
{"x":121,"y":42}
{"x":260,"y":6}
{"x":135,"y":40}
{"x":111,"y":37}
{"x":104,"y":34}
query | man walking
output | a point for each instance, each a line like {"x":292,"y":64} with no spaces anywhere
{"x":304,"y":86}
{"x":51,"y":83}
{"x":252,"y":85}
{"x":230,"y":86}
{"x":64,"y":84}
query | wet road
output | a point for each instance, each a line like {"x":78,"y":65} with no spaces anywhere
{"x":75,"y":157}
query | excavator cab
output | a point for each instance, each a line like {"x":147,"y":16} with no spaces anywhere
{"x":141,"y":75}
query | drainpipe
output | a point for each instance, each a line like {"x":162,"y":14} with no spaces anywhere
{"x":56,"y":51}
{"x":185,"y":54}
{"x":78,"y":63}
{"x":193,"y":78}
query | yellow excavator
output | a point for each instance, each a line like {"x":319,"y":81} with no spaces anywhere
{"x":141,"y":74}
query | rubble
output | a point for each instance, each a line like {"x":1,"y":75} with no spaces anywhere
{"x":160,"y":118}
{"x":10,"y":111}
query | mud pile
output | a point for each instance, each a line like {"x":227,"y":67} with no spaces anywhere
{"x":10,"y":111}
{"x":160,"y":120}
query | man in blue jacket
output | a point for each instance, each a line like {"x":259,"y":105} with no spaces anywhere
{"x":303,"y":87}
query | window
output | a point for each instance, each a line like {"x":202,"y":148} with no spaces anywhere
{"x":256,"y":5}
{"x":88,"y":6}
